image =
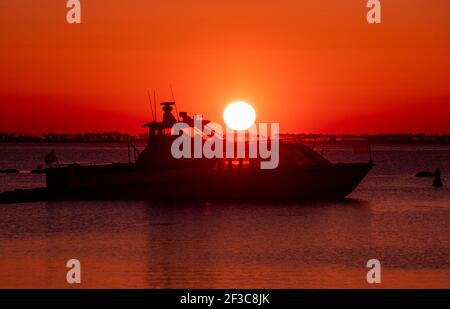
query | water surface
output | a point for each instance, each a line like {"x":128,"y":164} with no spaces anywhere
{"x":392,"y":216}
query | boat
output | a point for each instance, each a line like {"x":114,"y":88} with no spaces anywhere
{"x":302,"y":174}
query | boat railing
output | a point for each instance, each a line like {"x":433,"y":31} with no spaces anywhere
{"x":320,"y":143}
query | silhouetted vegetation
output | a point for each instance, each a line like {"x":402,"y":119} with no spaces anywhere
{"x":117,"y":137}
{"x":373,"y":138}
{"x":105,"y":137}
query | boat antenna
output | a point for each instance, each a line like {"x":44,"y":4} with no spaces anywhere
{"x":154,"y":103}
{"x":174,"y":101}
{"x":151,"y":105}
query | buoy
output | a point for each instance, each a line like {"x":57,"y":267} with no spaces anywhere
{"x":437,"y":181}
{"x":425,"y":174}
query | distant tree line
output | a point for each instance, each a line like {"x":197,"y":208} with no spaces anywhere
{"x":402,"y":138}
{"x":104,"y":137}
{"x":117,"y":137}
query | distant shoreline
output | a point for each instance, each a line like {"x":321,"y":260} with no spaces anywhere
{"x":117,"y":137}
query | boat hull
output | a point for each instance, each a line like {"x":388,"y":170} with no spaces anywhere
{"x":196,"y":182}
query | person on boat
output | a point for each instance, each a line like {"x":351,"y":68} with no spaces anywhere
{"x":437,"y":182}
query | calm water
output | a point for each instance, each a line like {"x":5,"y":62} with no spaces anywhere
{"x":393,"y":216}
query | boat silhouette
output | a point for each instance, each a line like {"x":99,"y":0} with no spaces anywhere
{"x":302,"y":174}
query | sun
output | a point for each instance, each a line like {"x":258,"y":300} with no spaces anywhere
{"x":239,"y":116}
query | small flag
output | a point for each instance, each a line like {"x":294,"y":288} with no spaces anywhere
{"x":361,"y":149}
{"x":51,"y":158}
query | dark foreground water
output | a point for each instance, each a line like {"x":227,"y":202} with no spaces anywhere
{"x":393,"y":216}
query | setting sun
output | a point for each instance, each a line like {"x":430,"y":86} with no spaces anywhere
{"x":239,"y":116}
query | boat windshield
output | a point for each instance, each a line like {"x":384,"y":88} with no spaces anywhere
{"x":300,"y":154}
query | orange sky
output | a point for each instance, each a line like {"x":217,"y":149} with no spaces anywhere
{"x":314,"y":66}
